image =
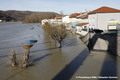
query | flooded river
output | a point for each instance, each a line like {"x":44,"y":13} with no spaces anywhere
{"x":51,"y":62}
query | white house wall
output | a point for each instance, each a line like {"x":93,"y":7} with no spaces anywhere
{"x":79,"y":20}
{"x":92,"y":20}
{"x":100,"y":20}
{"x":73,"y":19}
{"x":78,"y":29}
{"x":103,"y":19}
{"x":84,"y":21}
{"x":65,"y":19}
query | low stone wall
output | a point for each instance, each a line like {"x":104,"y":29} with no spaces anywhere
{"x":103,"y":42}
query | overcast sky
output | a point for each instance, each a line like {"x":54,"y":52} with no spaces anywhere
{"x":67,"y":6}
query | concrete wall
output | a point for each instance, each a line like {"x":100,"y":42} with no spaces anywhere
{"x":100,"y":20}
{"x":103,"y":42}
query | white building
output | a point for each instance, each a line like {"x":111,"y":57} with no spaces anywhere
{"x":73,"y":17}
{"x":58,"y":19}
{"x":83,"y":25}
{"x":65,"y":19}
{"x":44,"y":21}
{"x":100,"y":17}
{"x":83,"y":17}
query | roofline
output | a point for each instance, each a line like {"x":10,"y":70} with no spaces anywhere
{"x":104,"y":12}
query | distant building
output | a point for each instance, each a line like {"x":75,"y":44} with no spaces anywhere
{"x":58,"y":19}
{"x":66,"y":19}
{"x":83,"y":17}
{"x":44,"y":21}
{"x":82,"y":25}
{"x":73,"y":17}
{"x":101,"y":17}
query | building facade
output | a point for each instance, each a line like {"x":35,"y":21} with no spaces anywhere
{"x":98,"y":19}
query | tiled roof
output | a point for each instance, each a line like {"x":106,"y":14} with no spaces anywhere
{"x":81,"y":14}
{"x":81,"y":24}
{"x":103,"y":10}
{"x":84,"y":17}
{"x":60,"y":16}
{"x":52,"y":18}
{"x":74,"y":15}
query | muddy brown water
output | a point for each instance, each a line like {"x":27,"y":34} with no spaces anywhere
{"x":50,"y":62}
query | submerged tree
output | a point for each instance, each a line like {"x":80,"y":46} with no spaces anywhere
{"x":56,"y":31}
{"x":47,"y":27}
{"x":60,"y":34}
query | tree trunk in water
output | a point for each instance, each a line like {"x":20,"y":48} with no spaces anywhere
{"x":55,"y":43}
{"x":13,"y":58}
{"x":26,"y":58}
{"x":60,"y":45}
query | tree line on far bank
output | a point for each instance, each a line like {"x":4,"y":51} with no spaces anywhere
{"x":25,"y":16}
{"x":36,"y":17}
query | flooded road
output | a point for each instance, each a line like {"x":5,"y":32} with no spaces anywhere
{"x":51,"y":62}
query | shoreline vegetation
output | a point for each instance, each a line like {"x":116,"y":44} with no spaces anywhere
{"x":37,"y":17}
{"x":25,"y":16}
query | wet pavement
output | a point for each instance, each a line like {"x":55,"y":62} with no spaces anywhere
{"x":51,"y":62}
